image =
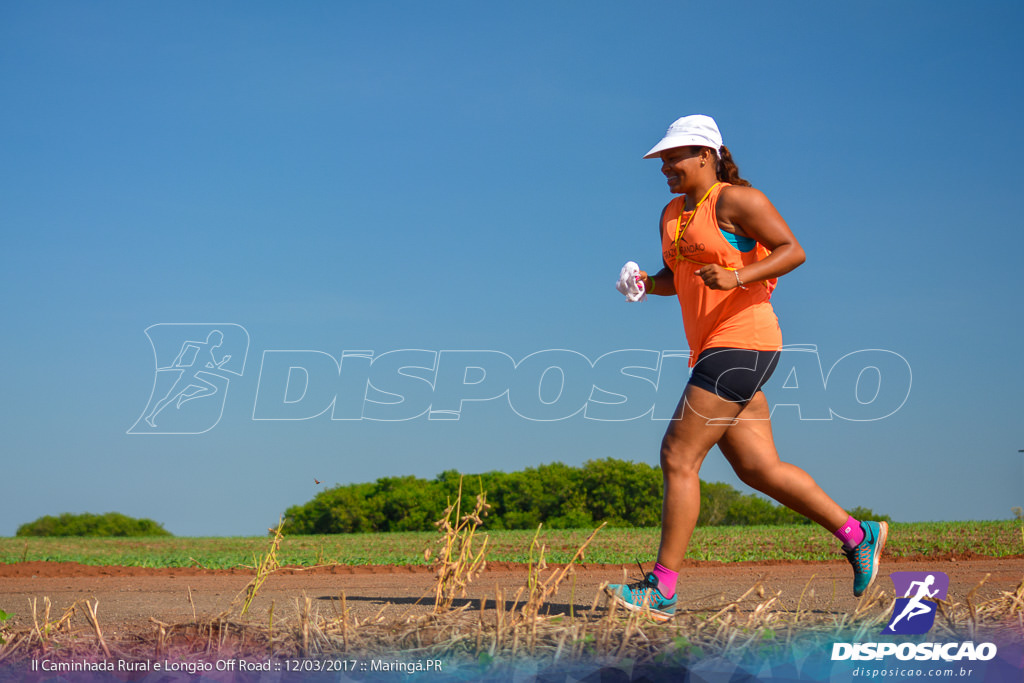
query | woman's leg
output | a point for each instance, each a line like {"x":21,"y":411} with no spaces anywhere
{"x":750,"y":449}
{"x":700,"y":421}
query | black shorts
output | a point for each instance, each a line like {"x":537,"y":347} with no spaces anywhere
{"x":733,"y":374}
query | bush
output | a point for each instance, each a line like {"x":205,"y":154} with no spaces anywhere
{"x":86,"y":524}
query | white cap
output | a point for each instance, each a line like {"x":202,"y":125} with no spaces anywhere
{"x":698,"y":130}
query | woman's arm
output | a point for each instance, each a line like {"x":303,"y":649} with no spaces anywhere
{"x":664,"y":283}
{"x":748,"y":212}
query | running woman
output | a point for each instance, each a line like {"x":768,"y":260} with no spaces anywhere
{"x":724,"y":245}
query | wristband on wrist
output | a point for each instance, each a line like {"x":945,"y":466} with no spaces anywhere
{"x":739,"y":282}
{"x":650,"y":284}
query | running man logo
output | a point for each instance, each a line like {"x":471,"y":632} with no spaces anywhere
{"x":194,"y":366}
{"x":911,"y":614}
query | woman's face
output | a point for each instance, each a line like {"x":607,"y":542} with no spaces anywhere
{"x":681,"y":166}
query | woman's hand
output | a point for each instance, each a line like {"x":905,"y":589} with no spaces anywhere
{"x":717,"y":277}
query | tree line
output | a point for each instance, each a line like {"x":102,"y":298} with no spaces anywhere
{"x":619,"y":492}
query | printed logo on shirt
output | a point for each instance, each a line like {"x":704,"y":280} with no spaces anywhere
{"x":673,"y":254}
{"x":689,"y":249}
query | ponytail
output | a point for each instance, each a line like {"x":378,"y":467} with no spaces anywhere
{"x":727,"y":171}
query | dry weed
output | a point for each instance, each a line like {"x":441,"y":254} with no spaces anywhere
{"x":265,"y":565}
{"x":457,"y":562}
{"x":539,"y":592}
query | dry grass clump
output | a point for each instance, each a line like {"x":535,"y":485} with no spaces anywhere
{"x":57,"y":634}
{"x":1004,"y":615}
{"x":540,"y":590}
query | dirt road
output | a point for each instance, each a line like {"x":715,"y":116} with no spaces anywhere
{"x":129,"y":596}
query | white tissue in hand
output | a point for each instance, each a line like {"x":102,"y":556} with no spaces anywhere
{"x":629,"y":283}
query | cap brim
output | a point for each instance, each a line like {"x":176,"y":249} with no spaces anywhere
{"x":671,"y":142}
{"x":683,"y":140}
{"x":656,"y":151}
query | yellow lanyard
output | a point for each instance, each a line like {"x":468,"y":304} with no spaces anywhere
{"x":681,"y":230}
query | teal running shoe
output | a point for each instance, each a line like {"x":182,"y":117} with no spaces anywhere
{"x":864,"y":557}
{"x":644,"y":596}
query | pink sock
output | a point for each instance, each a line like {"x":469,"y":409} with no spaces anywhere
{"x":850,"y":533}
{"x":667,"y":579}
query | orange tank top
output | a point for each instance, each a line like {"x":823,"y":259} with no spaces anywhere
{"x":737,"y":318}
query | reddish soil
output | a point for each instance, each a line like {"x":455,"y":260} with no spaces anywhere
{"x":129,"y":596}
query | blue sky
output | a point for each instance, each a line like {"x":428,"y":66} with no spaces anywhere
{"x":452,"y":176}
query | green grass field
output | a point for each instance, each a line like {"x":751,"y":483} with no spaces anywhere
{"x":727,"y":544}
